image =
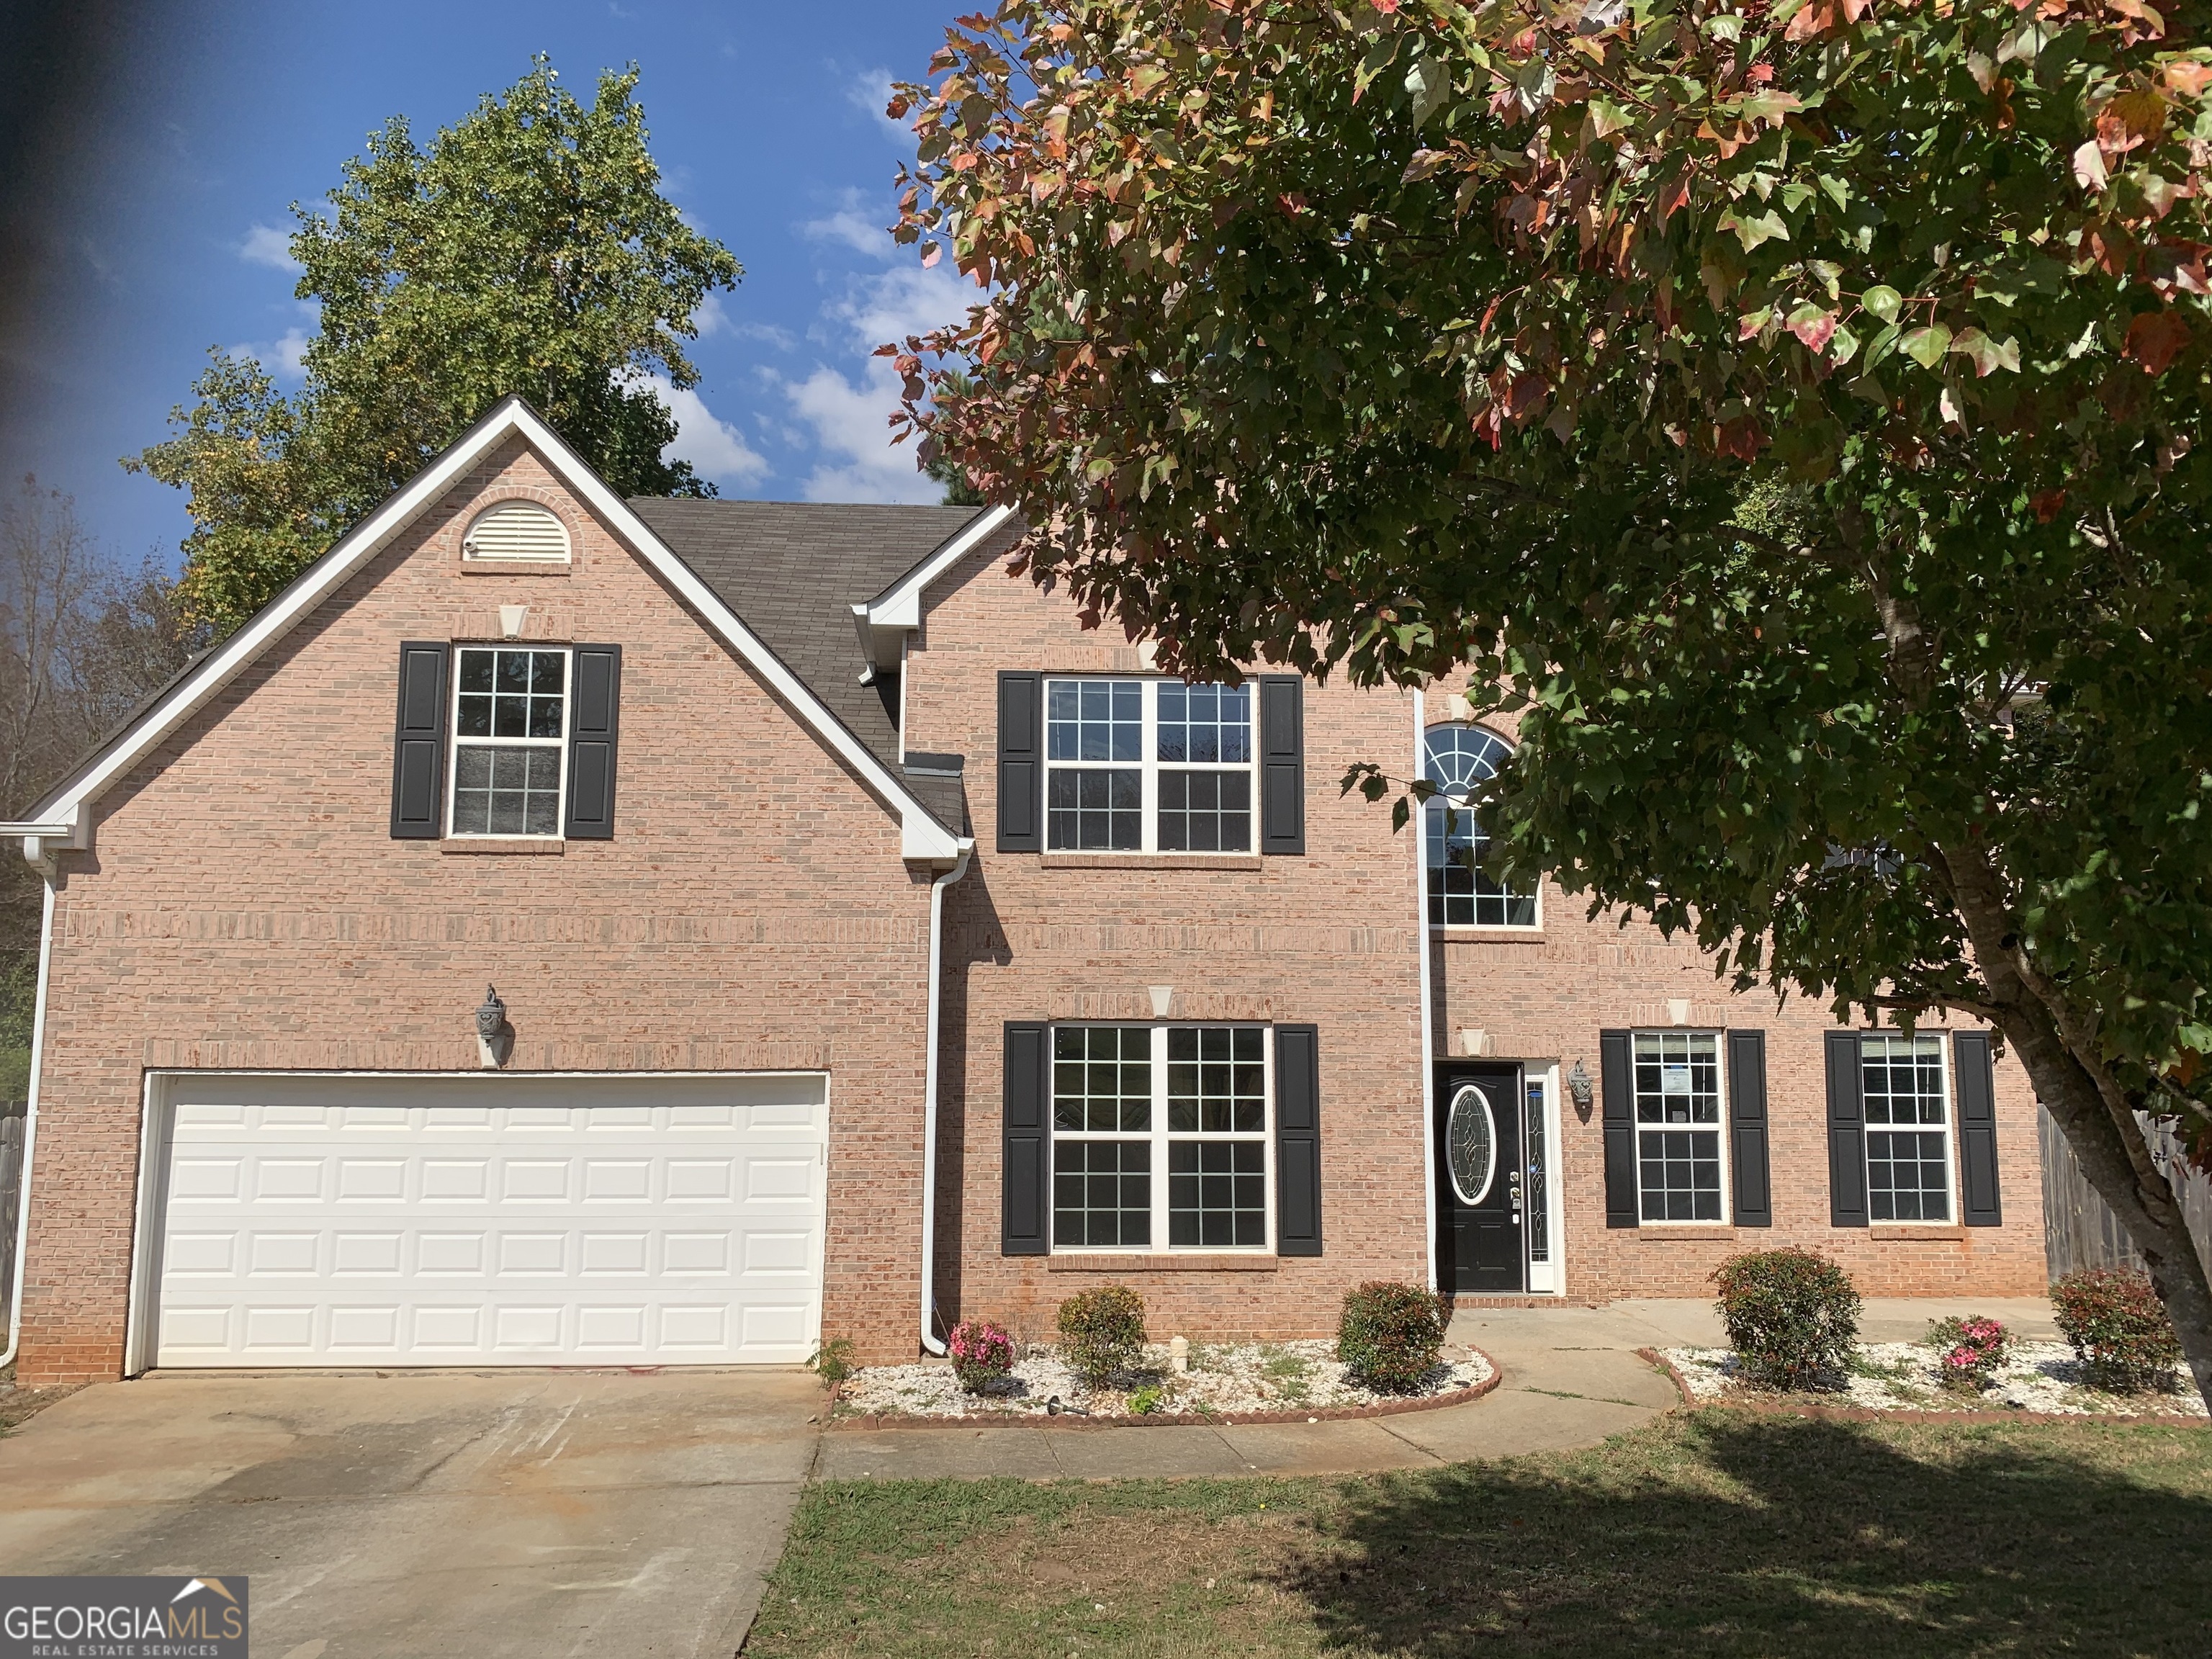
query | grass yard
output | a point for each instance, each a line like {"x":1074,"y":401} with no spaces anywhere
{"x":1718,"y":1532}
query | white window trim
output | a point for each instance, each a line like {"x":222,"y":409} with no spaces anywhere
{"x":455,"y":741}
{"x":1148,"y":749}
{"x":1160,"y":1138}
{"x":1950,"y":1131}
{"x":1721,"y":1125}
{"x":1544,"y":1081}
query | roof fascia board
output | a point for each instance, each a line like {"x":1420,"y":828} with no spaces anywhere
{"x":897,"y":609}
{"x":307,"y":589}
{"x":920,"y":836}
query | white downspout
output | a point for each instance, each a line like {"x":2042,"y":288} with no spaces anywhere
{"x":1425,"y":944}
{"x":930,"y":1340}
{"x":31,"y":1127}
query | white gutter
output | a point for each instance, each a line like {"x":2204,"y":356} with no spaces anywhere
{"x":1426,"y":945}
{"x":31,"y":1126}
{"x":930,"y":1340}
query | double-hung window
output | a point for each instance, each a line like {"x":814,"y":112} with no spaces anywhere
{"x":1148,"y":766}
{"x":510,"y":726}
{"x":1159,"y":1137}
{"x":1908,"y":1127}
{"x":1678,"y":1126}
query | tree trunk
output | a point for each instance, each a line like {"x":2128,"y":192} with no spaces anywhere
{"x":2089,"y":1107}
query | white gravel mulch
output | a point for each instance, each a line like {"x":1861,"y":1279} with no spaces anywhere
{"x":1225,"y":1380}
{"x":2036,"y":1376}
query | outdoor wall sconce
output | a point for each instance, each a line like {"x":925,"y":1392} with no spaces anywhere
{"x":494,"y":1037}
{"x":1578,"y":1085}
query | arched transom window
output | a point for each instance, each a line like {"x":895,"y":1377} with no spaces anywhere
{"x":1459,"y":760}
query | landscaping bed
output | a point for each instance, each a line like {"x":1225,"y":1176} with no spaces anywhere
{"x":1226,"y":1381}
{"x":2034,"y":1376}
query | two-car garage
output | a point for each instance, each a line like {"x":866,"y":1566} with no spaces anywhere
{"x":420,"y":1219}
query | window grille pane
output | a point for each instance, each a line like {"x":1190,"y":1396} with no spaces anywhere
{"x":511,"y":693}
{"x":1094,"y":720}
{"x":1677,"y":1078}
{"x":1908,"y":1175}
{"x":1095,"y":811}
{"x":1680,"y":1174}
{"x":1903,"y":1079}
{"x":1206,"y":811}
{"x":1461,"y":893}
{"x":1539,"y":1190}
{"x":1217,"y":1080}
{"x":1217,"y":1194}
{"x":1102,"y":1078}
{"x":1102,"y":1192}
{"x":506,"y":791}
{"x":1206,"y":724}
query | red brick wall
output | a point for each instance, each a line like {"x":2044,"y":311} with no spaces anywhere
{"x":1326,"y":939}
{"x":1331,"y":938}
{"x":245,"y":907}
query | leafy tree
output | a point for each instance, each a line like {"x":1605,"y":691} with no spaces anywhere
{"x":1791,"y":410}
{"x":527,"y":249}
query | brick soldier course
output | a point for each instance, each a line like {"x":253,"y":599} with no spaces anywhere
{"x":236,"y":901}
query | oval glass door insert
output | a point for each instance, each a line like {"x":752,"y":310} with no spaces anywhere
{"x":1471,"y":1143}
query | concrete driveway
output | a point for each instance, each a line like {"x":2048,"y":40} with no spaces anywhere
{"x":476,"y":1513}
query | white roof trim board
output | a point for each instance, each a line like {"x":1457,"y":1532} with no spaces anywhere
{"x":895,"y":611}
{"x":64,"y":818}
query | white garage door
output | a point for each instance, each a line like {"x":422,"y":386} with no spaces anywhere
{"x":456,"y":1220}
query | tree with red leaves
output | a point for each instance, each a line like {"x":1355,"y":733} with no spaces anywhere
{"x":1792,"y":412}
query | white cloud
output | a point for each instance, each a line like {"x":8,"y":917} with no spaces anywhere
{"x":711,"y":319}
{"x":265,"y":244}
{"x":861,"y":232}
{"x":781,"y":338}
{"x":284,"y":359}
{"x":850,"y":418}
{"x":870,"y":92}
{"x":714,"y":447}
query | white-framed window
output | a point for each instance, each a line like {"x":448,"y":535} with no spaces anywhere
{"x":1459,"y":760}
{"x":1160,"y":1138}
{"x":1905,"y":1093}
{"x":1680,"y":1152}
{"x":510,"y":726}
{"x":1148,"y":766}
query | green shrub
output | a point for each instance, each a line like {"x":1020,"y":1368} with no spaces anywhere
{"x":1148,"y":1400}
{"x":832,"y":1361}
{"x":1391,"y":1335}
{"x":1101,"y":1331}
{"x":1791,"y":1316}
{"x":2117,"y":1327}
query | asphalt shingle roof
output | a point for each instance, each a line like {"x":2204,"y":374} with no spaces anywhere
{"x":793,"y":570}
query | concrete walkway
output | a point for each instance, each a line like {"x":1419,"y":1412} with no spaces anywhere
{"x":1571,"y":1378}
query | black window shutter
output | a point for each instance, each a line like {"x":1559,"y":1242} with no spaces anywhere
{"x":1847,"y":1193}
{"x":1282,"y":764}
{"x":1297,"y":1140}
{"x":1021,"y":763}
{"x":418,"y":747}
{"x":1746,"y":1061}
{"x":1024,"y":1221}
{"x":1616,"y":1072}
{"x":594,"y":715}
{"x":1978,"y":1130}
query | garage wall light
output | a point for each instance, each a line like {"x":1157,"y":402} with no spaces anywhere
{"x":494,"y":1037}
{"x":1578,"y":1085}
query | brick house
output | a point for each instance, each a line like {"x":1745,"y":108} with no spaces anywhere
{"x":873,"y":946}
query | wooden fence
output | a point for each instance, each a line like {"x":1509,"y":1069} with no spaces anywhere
{"x":2079,"y":1231}
{"x":11,"y":1188}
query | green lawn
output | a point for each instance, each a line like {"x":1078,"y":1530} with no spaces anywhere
{"x":1723,"y":1532}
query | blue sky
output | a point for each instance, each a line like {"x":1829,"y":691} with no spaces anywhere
{"x":767,"y":123}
